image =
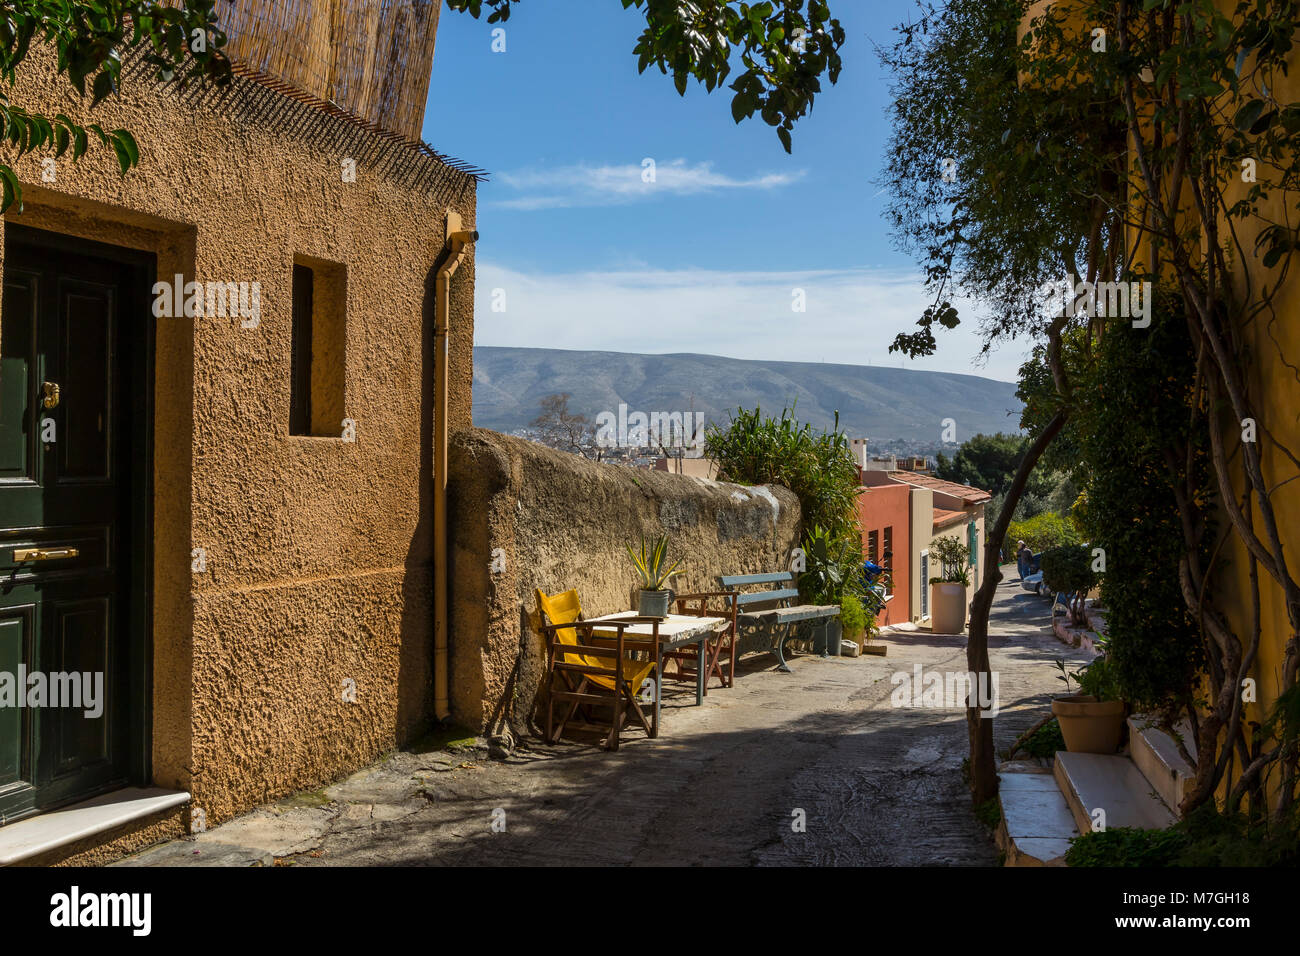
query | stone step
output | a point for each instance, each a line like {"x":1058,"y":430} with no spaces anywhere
{"x":1157,"y":756}
{"x":59,"y":828}
{"x":1036,"y":825}
{"x":1112,"y":784}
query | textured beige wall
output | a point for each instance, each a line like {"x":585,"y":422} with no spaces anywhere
{"x":922,"y":535}
{"x":318,"y":551}
{"x":561,"y":522}
{"x":117,"y":843}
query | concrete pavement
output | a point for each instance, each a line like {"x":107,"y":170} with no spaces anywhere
{"x":817,"y":767}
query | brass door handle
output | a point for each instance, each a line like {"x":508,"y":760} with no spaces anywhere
{"x":44,"y":554}
{"x":50,"y":390}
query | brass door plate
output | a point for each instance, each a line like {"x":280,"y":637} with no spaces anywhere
{"x":44,"y":554}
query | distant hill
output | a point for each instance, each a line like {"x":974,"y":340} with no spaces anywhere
{"x":873,"y":402}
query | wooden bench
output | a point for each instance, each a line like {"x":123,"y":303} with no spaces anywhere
{"x":766,"y":620}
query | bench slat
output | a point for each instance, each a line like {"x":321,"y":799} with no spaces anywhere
{"x":759,"y":597}
{"x":790,"y":615}
{"x":737,"y":580}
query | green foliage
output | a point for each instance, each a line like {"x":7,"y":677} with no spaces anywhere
{"x":833,"y":567}
{"x":853,"y":615}
{"x":1126,"y":847}
{"x":182,"y":41}
{"x":989,"y":813}
{"x":1068,"y":568}
{"x":989,"y":462}
{"x":1283,"y":720}
{"x":651,"y":563}
{"x":1045,"y":741}
{"x":993,"y":229}
{"x":783,"y":48}
{"x":1065,"y":674}
{"x":1206,"y":838}
{"x":818,"y":467}
{"x":1041,"y":532}
{"x":954,"y":561}
{"x":1097,"y":678}
{"x":1136,"y":435}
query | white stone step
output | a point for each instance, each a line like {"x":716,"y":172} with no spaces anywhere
{"x":1036,"y":825}
{"x":1112,"y":784}
{"x":1157,"y":756}
{"x":57,"y":828}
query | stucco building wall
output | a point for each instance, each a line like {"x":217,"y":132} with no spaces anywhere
{"x":318,"y":551}
{"x":559,"y":522}
{"x":889,"y":506}
{"x":922,"y":534}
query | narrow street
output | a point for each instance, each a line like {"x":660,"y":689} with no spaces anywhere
{"x":725,"y":784}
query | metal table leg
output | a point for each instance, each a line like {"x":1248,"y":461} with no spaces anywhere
{"x":701,"y":671}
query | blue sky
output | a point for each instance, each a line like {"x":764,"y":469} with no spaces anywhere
{"x":583,"y":254}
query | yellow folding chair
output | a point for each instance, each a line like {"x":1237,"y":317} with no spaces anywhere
{"x":581,"y":672}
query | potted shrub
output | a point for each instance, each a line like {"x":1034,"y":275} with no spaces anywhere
{"x":853,"y":616}
{"x":832,"y":564}
{"x":653,"y":569}
{"x":1092,"y":721}
{"x":948,"y":590}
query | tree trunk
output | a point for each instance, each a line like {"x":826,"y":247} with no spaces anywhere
{"x":983,"y":760}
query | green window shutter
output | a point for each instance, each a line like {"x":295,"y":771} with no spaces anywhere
{"x":972,"y":542}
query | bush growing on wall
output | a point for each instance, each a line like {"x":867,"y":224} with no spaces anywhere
{"x":757,"y":449}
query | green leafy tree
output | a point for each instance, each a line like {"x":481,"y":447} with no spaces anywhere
{"x":89,"y":38}
{"x":988,"y":201}
{"x":1119,"y":161}
{"x":989,"y":462}
{"x":1068,"y":569}
{"x":785,"y":47}
{"x":1042,"y":531}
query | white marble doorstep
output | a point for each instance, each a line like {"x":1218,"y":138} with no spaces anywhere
{"x":49,"y":831}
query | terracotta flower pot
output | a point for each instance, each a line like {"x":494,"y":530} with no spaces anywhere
{"x":1088,"y":725}
{"x":948,"y":607}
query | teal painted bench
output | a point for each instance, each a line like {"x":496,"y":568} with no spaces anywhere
{"x":766,"y":620}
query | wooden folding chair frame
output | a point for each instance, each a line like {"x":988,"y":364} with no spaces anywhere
{"x":578,"y":687}
{"x":723,"y":642}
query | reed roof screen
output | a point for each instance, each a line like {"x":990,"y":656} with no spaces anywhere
{"x":371,"y":57}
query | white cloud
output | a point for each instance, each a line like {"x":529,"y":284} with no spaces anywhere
{"x":586,"y":185}
{"x":851,"y":316}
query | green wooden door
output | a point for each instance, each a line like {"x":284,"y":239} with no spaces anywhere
{"x":70,"y":400}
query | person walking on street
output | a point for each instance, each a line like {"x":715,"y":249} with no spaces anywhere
{"x":1024,"y":558}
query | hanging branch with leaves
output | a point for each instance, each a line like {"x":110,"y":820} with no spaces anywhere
{"x":784,"y":50}
{"x":89,"y":39}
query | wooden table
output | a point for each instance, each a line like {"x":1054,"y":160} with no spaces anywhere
{"x":673,"y":631}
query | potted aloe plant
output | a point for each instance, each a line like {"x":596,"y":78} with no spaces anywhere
{"x":948,"y":590}
{"x":653,"y":569}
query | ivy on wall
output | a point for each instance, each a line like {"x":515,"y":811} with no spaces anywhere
{"x":1134,"y":426}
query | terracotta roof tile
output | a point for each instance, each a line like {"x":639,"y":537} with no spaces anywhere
{"x":943,"y":518}
{"x":965,"y":492}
